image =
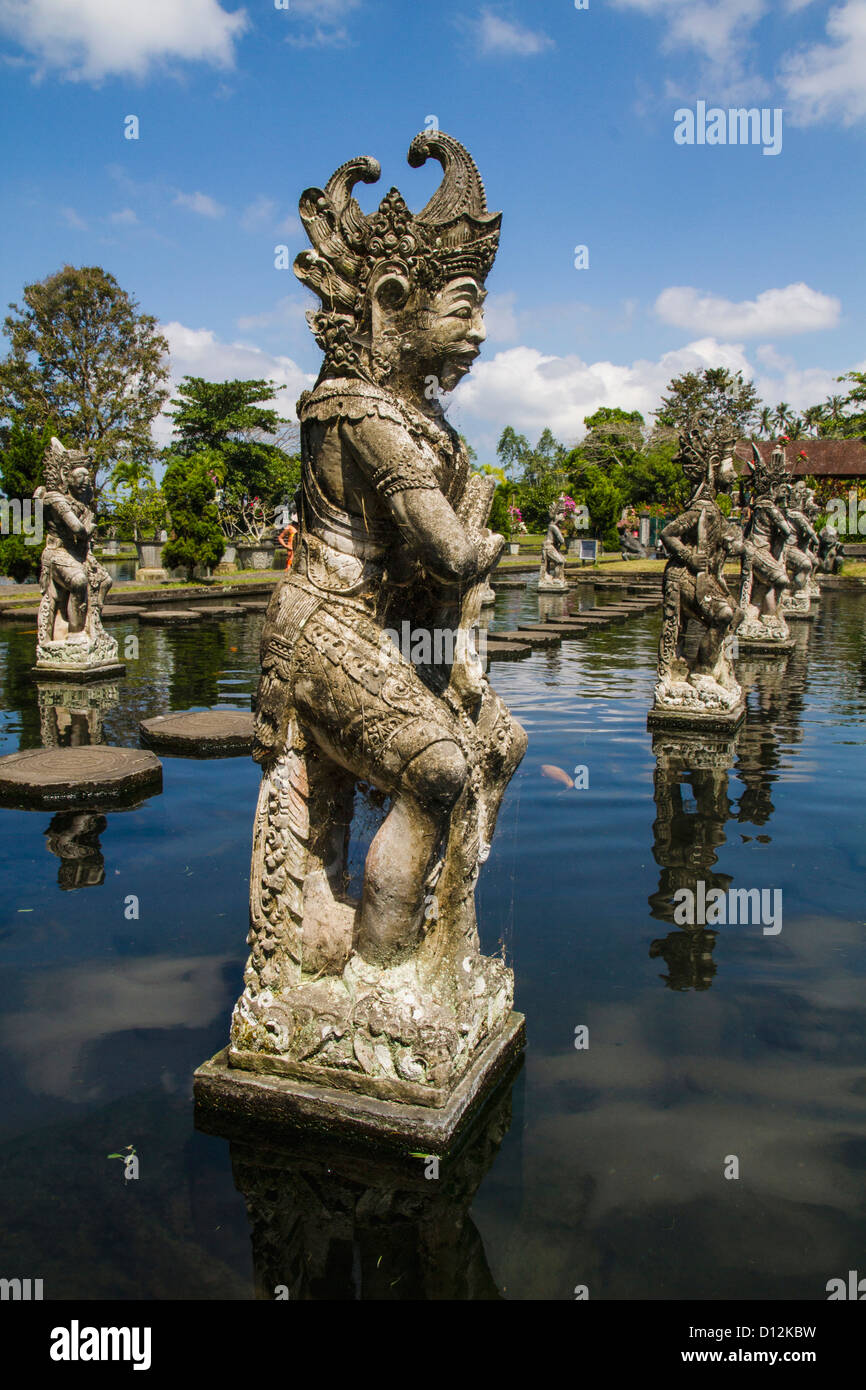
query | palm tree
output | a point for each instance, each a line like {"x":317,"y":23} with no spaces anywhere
{"x":795,"y":428}
{"x":833,"y":406}
{"x":781,"y":415}
{"x":812,"y":417}
{"x":766,"y":421}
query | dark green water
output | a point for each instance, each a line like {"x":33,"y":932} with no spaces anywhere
{"x":605,"y":1166}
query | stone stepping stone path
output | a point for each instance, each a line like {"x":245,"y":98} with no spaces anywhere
{"x":537,"y":638}
{"x":508,"y":583}
{"x":508,"y":651}
{"x":117,"y":613}
{"x":211,"y":733}
{"x":226,"y":610}
{"x":91,"y":777}
{"x":19,"y":615}
{"x":156,"y":617}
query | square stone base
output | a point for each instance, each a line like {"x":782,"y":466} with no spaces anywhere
{"x":757,"y":646}
{"x":714,"y":721}
{"x":80,"y":675}
{"x":260,"y":1099}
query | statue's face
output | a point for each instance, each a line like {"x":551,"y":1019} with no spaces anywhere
{"x":79,"y":483}
{"x":726,"y":474}
{"x":450,"y":331}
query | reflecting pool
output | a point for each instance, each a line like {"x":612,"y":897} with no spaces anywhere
{"x":604,"y":1165}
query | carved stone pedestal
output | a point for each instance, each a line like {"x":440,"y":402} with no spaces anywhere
{"x":716,"y":721}
{"x":286,"y":1101}
{"x":80,"y":675}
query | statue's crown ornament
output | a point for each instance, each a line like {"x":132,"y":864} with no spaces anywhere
{"x":453,"y":235}
{"x":57,"y":464}
{"x":703,"y":444}
{"x":770,"y":473}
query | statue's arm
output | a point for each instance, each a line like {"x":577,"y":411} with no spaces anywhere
{"x":780,"y":521}
{"x":406,"y":483}
{"x":63,"y":511}
{"x":671,"y":539}
{"x":558,"y":537}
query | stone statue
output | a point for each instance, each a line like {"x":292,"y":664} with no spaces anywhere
{"x":798,"y":556}
{"x":551,"y":574}
{"x":71,"y":639}
{"x":702,"y":689}
{"x":385,"y":993}
{"x":764,"y":576}
{"x":831,"y":551}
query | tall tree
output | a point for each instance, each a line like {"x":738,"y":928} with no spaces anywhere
{"x":20,"y":474}
{"x":721,"y":394}
{"x":231,"y":419}
{"x":85,"y":363}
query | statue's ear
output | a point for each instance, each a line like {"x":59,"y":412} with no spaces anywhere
{"x":389,"y":292}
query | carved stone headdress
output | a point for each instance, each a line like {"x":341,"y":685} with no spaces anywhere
{"x":454,"y":235}
{"x":768,"y":474}
{"x":58,"y":463}
{"x":703,"y":444}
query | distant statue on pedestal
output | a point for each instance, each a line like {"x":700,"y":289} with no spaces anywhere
{"x":71,"y":638}
{"x":701,"y":689}
{"x":551,"y":575}
{"x":764,"y":575}
{"x":798,"y":557}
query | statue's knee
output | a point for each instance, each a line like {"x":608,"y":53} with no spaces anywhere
{"x":438,"y":775}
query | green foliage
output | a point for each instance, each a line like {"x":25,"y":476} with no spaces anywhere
{"x":20,"y":475}
{"x":722,"y":394}
{"x":195,"y":537}
{"x":227,"y":419}
{"x":86,"y":364}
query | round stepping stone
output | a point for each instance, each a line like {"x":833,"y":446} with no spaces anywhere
{"x":157,"y":616}
{"x":19,"y":615}
{"x":51,"y":778}
{"x":227,"y":610}
{"x":535,"y":639}
{"x":257,"y":606}
{"x":210,"y":733}
{"x":116,"y":613}
{"x":508,"y":651}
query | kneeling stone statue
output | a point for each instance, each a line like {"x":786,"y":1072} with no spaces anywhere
{"x":388,"y":995}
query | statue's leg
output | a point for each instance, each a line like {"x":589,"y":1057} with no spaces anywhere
{"x":368,"y":712}
{"x":669,"y":643}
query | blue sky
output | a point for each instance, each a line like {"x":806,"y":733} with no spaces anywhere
{"x":698,"y":255}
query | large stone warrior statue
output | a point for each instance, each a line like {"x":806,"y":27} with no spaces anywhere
{"x":389,"y":994}
{"x":764,"y":575}
{"x":702,"y":689}
{"x":71,"y":638}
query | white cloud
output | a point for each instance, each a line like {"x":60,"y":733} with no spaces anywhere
{"x":198,"y":352}
{"x":500,"y":318}
{"x":498,"y":37}
{"x":530,"y":389}
{"x":794,"y":309}
{"x":263,"y":214}
{"x":286,"y":311}
{"x":718,"y":31}
{"x":72,"y":219}
{"x":201,"y":203}
{"x":124,"y":218}
{"x":326,"y":32}
{"x":91,"y":39}
{"x":826,"y":81}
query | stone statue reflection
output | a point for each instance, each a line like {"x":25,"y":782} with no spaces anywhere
{"x":74,"y":837}
{"x":688,"y":831}
{"x":334,"y":1223}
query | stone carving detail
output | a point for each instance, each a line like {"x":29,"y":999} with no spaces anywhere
{"x":764,"y":576}
{"x":699,"y":542}
{"x":799,"y":555}
{"x":74,"y":585}
{"x":386,"y":993}
{"x":551,"y":575}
